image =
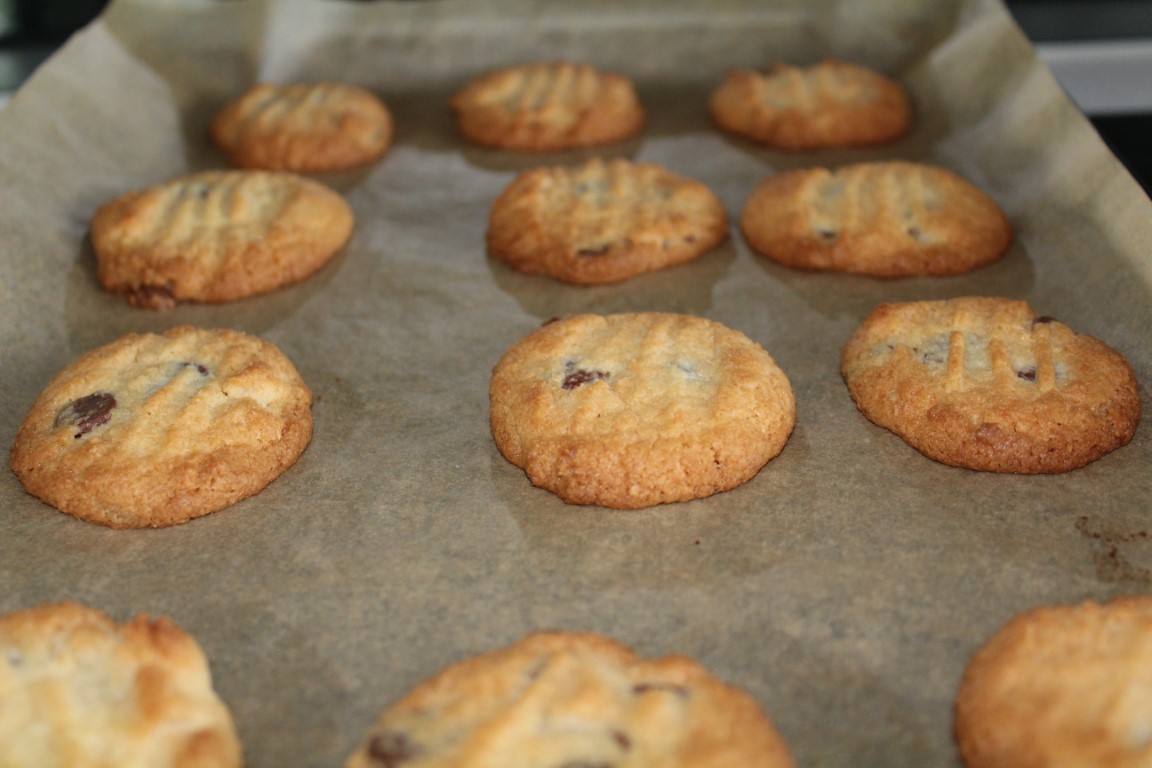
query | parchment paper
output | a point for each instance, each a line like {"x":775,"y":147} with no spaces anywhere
{"x":844,"y":587}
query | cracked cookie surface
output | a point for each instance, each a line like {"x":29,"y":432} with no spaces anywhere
{"x":217,"y":236}
{"x":80,"y":690}
{"x":573,"y":700}
{"x":885,"y":219}
{"x":634,"y":410}
{"x":548,"y":106}
{"x":830,"y":104}
{"x":603,"y":222}
{"x":154,"y":430}
{"x":1061,"y":685}
{"x":303,"y":127}
{"x":987,"y":384}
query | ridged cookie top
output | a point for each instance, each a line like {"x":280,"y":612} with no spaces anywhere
{"x":987,"y":384}
{"x":79,"y":691}
{"x":603,"y":221}
{"x":548,"y":106}
{"x":637,"y":409}
{"x":303,"y":127}
{"x":564,"y":700}
{"x":154,"y":430}
{"x":1062,"y":685}
{"x":830,"y":104}
{"x":886,"y":219}
{"x":217,"y":236}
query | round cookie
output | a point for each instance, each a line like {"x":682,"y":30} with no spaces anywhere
{"x":830,"y":104}
{"x":79,"y":690}
{"x":303,"y":127}
{"x":573,"y":699}
{"x":986,"y":384}
{"x":217,"y":236}
{"x":1061,"y":686}
{"x":603,"y":222}
{"x":151,"y":430}
{"x":548,"y":106}
{"x":885,"y":219}
{"x":634,"y":410}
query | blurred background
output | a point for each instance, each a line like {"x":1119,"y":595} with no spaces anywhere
{"x":1100,"y":51}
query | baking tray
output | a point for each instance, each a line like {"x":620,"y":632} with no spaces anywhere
{"x":844,"y":587}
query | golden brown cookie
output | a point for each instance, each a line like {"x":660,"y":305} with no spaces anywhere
{"x":885,"y":219}
{"x":548,"y":106}
{"x":985,"y":383}
{"x":79,"y":691}
{"x":558,"y":699}
{"x":633,"y":410}
{"x":151,"y":430}
{"x":1058,"y":686}
{"x":603,"y":222}
{"x":303,"y":127}
{"x":217,"y":236}
{"x":830,"y":104}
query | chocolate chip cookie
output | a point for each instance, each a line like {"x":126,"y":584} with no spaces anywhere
{"x":217,"y":236}
{"x":633,"y":410}
{"x":1061,"y":685}
{"x":303,"y":127}
{"x":885,"y":219}
{"x":154,"y":430}
{"x":548,"y":106}
{"x":602,"y":222}
{"x":830,"y":104}
{"x":573,"y":700}
{"x":77,"y":689}
{"x":987,"y":384}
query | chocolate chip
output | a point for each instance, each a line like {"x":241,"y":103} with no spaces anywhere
{"x":580,"y":376}
{"x":200,"y":368}
{"x":826,"y":235}
{"x":1027,"y":374}
{"x":914,"y":232}
{"x":622,"y":740}
{"x":679,"y":690}
{"x":594,"y":251}
{"x":391,"y":749}
{"x":1042,"y":320}
{"x":86,"y":413}
{"x":153,"y":296}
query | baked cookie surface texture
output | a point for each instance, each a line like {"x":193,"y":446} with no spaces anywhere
{"x":830,"y":104}
{"x":1061,"y":685}
{"x":986,"y":384}
{"x":154,"y":430}
{"x":558,"y":699}
{"x":217,"y":236}
{"x":80,"y":691}
{"x":603,"y":222}
{"x":303,"y":127}
{"x":548,"y":106}
{"x":634,"y":410}
{"x":885,"y":219}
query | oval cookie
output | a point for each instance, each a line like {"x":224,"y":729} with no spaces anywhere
{"x":151,"y":430}
{"x":885,"y":219}
{"x":1061,"y":686}
{"x":576,"y":700}
{"x":548,"y":106}
{"x":986,"y":384}
{"x":217,"y":236}
{"x":831,"y":104}
{"x":303,"y":127}
{"x":633,"y":410}
{"x":603,"y":222}
{"x":79,"y":690}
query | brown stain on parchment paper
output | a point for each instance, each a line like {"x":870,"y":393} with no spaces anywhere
{"x":1113,"y":551}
